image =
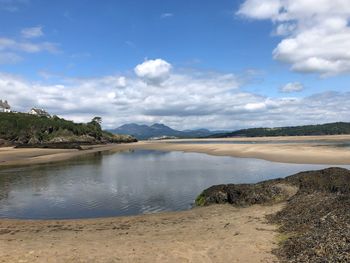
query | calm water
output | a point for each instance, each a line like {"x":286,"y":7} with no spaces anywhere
{"x":127,"y":183}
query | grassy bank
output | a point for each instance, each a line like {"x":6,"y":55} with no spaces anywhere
{"x":29,"y":130}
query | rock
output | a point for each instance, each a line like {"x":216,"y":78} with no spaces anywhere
{"x":245,"y":194}
{"x":316,"y":219}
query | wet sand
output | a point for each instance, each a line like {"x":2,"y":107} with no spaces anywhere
{"x":10,"y":156}
{"x":301,"y":152}
{"x":219,"y":233}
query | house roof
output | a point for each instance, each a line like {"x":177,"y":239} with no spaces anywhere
{"x":39,"y":111}
{"x":4,"y":104}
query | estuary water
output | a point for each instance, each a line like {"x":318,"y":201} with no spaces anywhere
{"x":126,"y":183}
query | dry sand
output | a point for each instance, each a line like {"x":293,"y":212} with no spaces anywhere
{"x":219,"y":233}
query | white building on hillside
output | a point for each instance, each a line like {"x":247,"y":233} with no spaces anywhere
{"x":4,"y":106}
{"x":39,"y":112}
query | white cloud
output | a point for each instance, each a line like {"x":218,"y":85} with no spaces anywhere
{"x":317,"y":33}
{"x":166,"y":15}
{"x":121,"y":82}
{"x":292,"y":87}
{"x":260,"y":9}
{"x":26,"y":46}
{"x":255,"y":106}
{"x":155,"y":71}
{"x":285,"y":29}
{"x":32,"y":32}
{"x":11,"y":50}
{"x":188,"y":99}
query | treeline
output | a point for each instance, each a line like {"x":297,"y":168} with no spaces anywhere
{"x":336,"y":128}
{"x":22,"y":128}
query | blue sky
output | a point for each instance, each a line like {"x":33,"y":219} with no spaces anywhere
{"x":67,"y":47}
{"x":117,"y":35}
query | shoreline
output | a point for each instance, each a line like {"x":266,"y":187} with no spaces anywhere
{"x":298,"y":154}
{"x":218,"y":233}
{"x":303,"y":153}
{"x":10,"y":156}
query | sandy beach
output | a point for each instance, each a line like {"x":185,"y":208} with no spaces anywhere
{"x":278,"y":152}
{"x":219,"y":233}
{"x":304,"y":153}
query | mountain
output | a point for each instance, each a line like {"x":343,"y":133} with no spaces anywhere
{"x":335,"y":128}
{"x":143,"y":132}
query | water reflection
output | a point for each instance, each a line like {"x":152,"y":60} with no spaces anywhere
{"x":127,"y":183}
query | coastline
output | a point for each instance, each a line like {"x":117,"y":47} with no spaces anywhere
{"x":305,"y":153}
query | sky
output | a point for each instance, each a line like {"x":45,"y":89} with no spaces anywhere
{"x":187,"y":64}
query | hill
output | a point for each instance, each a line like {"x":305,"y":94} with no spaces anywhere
{"x":26,"y":129}
{"x":143,"y":132}
{"x":306,"y":130}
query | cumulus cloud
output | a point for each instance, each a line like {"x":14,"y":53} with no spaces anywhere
{"x":32,"y":32}
{"x":316,"y":32}
{"x":187,"y":99}
{"x":260,"y":9}
{"x":292,"y":87}
{"x":155,"y":71}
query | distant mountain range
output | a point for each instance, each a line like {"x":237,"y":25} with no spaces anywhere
{"x":143,"y":132}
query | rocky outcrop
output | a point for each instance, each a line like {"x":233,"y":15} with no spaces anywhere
{"x":75,"y":139}
{"x":315,"y":223}
{"x":247,"y":194}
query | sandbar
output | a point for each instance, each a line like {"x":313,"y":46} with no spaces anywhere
{"x":285,"y":152}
